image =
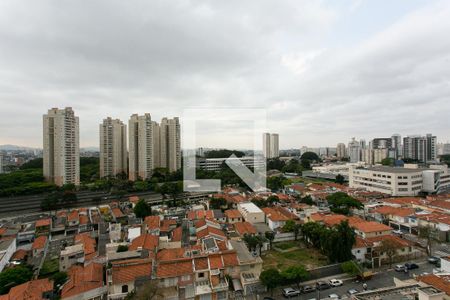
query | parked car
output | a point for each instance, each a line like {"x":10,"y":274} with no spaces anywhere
{"x":433,"y":260}
{"x":336,"y":282}
{"x":322,"y":285}
{"x":290,"y":292}
{"x":411,"y":266}
{"x":399,"y":268}
{"x":399,"y":232}
{"x":308,"y":289}
{"x":334,"y":296}
{"x":352,"y":291}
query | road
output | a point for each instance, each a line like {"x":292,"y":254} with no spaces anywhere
{"x":379,"y":280}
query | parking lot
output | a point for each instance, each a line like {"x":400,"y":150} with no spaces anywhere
{"x":379,"y":280}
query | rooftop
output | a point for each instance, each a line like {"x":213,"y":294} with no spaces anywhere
{"x":387,"y":169}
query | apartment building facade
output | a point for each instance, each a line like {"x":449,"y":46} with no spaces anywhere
{"x":271,"y":147}
{"x":61,"y":155}
{"x":170,"y":146}
{"x":420,"y":148}
{"x":113,"y":147}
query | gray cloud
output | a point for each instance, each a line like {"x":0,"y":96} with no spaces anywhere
{"x":115,"y":58}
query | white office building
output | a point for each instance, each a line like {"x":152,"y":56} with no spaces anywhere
{"x":215,"y":164}
{"x":61,"y":155}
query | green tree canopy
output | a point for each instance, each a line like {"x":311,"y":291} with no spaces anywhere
{"x":340,"y":179}
{"x":142,"y":209}
{"x":271,"y":278}
{"x":218,"y":203}
{"x":14,"y":276}
{"x":311,"y":156}
{"x":224,"y":153}
{"x":295,"y":274}
{"x":341,"y":203}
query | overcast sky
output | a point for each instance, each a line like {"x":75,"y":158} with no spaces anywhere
{"x":324,"y":70}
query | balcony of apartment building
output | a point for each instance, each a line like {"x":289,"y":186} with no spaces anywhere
{"x":218,"y":281}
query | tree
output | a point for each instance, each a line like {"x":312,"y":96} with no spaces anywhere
{"x":311,"y":156}
{"x":251,"y":241}
{"x":307,"y":200}
{"x":69,"y":197}
{"x":50,"y":202}
{"x":142,"y":209}
{"x":14,"y":276}
{"x":340,"y":179}
{"x":271,"y":200}
{"x":270,"y":278}
{"x":59,"y":278}
{"x":339,"y":243}
{"x":260,"y":240}
{"x":122,"y":248}
{"x":289,"y":226}
{"x":351,"y":268}
{"x":341,"y":203}
{"x":270,"y":236}
{"x":389,"y":247}
{"x":218,"y":203}
{"x":275,"y":164}
{"x":223,"y":153}
{"x":428,"y":233}
{"x":295,"y":274}
{"x":297,"y":230}
{"x":275,"y":183}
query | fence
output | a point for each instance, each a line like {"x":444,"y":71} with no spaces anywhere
{"x":325,"y":271}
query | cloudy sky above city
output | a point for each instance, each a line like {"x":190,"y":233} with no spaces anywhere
{"x":324,"y":70}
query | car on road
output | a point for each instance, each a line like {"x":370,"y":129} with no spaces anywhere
{"x":334,"y":296}
{"x":399,"y":268}
{"x":308,"y":289}
{"x":336,"y":282}
{"x":411,"y":266}
{"x":290,"y":292}
{"x":268,"y":298}
{"x":352,"y":291}
{"x":322,"y":285}
{"x":399,"y":232}
{"x":433,"y":260}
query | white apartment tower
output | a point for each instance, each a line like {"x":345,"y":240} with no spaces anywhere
{"x":141,"y":151}
{"x":340,"y":150}
{"x":113,"y":147}
{"x":421,"y":148}
{"x":61,"y":155}
{"x":170,"y":144}
{"x":271,"y":148}
{"x":354,"y":151}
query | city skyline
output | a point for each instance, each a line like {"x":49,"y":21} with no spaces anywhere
{"x":320,"y":81}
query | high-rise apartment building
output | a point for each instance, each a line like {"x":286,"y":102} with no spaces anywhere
{"x":1,"y":163}
{"x":341,"y":151}
{"x":382,"y":143}
{"x":141,"y":152}
{"x":113,"y":147}
{"x":421,"y":148}
{"x":271,"y":145}
{"x":153,"y":145}
{"x":170,"y":144}
{"x":397,"y":144}
{"x":354,"y":151}
{"x":61,"y":155}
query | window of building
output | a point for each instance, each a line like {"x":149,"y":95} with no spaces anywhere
{"x":125,"y":288}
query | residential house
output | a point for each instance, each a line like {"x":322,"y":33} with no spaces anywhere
{"x":84,"y":283}
{"x":125,"y":275}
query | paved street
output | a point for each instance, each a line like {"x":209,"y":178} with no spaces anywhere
{"x":382,"y":279}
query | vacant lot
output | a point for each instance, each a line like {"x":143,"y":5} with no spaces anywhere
{"x":308,"y":257}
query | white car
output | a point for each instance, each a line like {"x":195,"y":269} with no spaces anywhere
{"x":333,"y":296}
{"x":336,"y":282}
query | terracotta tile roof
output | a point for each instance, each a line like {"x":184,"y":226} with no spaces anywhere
{"x":31,"y":290}
{"x":444,"y":204}
{"x":440,"y":282}
{"x":20,"y":254}
{"x":285,"y":212}
{"x":200,"y":214}
{"x":89,"y":244}
{"x":318,"y":217}
{"x":368,"y":227}
{"x":43,"y":222}
{"x":233,"y":214}
{"x":394,"y":211}
{"x":230,"y":259}
{"x":222,"y":245}
{"x":117,"y":212}
{"x":174,"y":268}
{"x":83,"y":279}
{"x":244,"y":228}
{"x":73,"y":216}
{"x":166,"y":224}
{"x":335,"y":219}
{"x":215,"y":261}
{"x":152,"y":222}
{"x":395,"y":239}
{"x":128,"y":270}
{"x":84,"y":220}
{"x":39,"y":242}
{"x":274,"y":215}
{"x":145,"y":241}
{"x":3,"y":231}
{"x":210,"y":231}
{"x":201,"y":263}
{"x":405,"y":201}
{"x":170,"y":254}
{"x":361,"y":243}
{"x":177,"y":234}
{"x":200,"y":223}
